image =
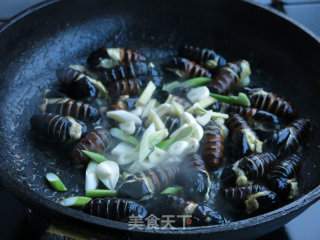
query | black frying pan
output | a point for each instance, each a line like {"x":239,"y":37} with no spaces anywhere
{"x":284,"y":58}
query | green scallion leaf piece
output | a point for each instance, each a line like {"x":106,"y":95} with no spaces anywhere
{"x":77,"y":201}
{"x":172,"y":190}
{"x":101,"y":193}
{"x":94,"y":156}
{"x":183,"y":134}
{"x":170,"y":86}
{"x":164,"y":145}
{"x":193,"y":82}
{"x":121,"y":135}
{"x":242,"y":99}
{"x":56,"y":182}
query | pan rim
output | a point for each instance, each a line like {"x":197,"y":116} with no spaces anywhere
{"x":30,"y":196}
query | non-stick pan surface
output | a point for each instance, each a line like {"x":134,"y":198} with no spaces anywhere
{"x":284,"y":59}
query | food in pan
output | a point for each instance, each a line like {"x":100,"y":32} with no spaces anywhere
{"x":153,"y":146}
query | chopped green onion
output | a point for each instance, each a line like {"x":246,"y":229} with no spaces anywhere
{"x":101,"y":193}
{"x":94,"y":156}
{"x":170,"y":86}
{"x":157,"y":137}
{"x":242,"y":99}
{"x":120,"y":134}
{"x":182,"y":134}
{"x":172,"y":190}
{"x":194,"y":82}
{"x":77,"y":201}
{"x":165,"y":144}
{"x":56,"y":182}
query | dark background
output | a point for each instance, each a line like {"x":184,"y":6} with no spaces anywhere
{"x":15,"y":219}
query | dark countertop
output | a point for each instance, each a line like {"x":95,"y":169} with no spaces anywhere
{"x":14,"y":219}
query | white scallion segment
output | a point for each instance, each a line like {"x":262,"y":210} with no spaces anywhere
{"x":198,"y":93}
{"x":92,"y":181}
{"x":128,"y":127}
{"x":178,"y":109}
{"x":121,"y":148}
{"x":178,"y":148}
{"x":183,"y":132}
{"x":187,"y":118}
{"x":158,"y":156}
{"x":144,"y":144}
{"x":219,"y":115}
{"x":173,"y":160}
{"x":193,"y":145}
{"x":135,"y":167}
{"x":206,"y":102}
{"x":125,"y":153}
{"x":157,"y":137}
{"x":146,"y":109}
{"x":55,"y":182}
{"x":123,"y":116}
{"x":165,"y":109}
{"x":77,"y":201}
{"x":197,"y":131}
{"x":138,"y":111}
{"x":108,"y":172}
{"x":120,"y":134}
{"x":204,"y":119}
{"x":146,"y":94}
{"x":245,"y":73}
{"x":154,"y":118}
{"x":127,"y":158}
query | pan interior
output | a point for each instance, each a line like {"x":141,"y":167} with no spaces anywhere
{"x":66,"y":32}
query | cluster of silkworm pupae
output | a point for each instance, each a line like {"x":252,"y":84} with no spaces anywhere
{"x":265,"y":167}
